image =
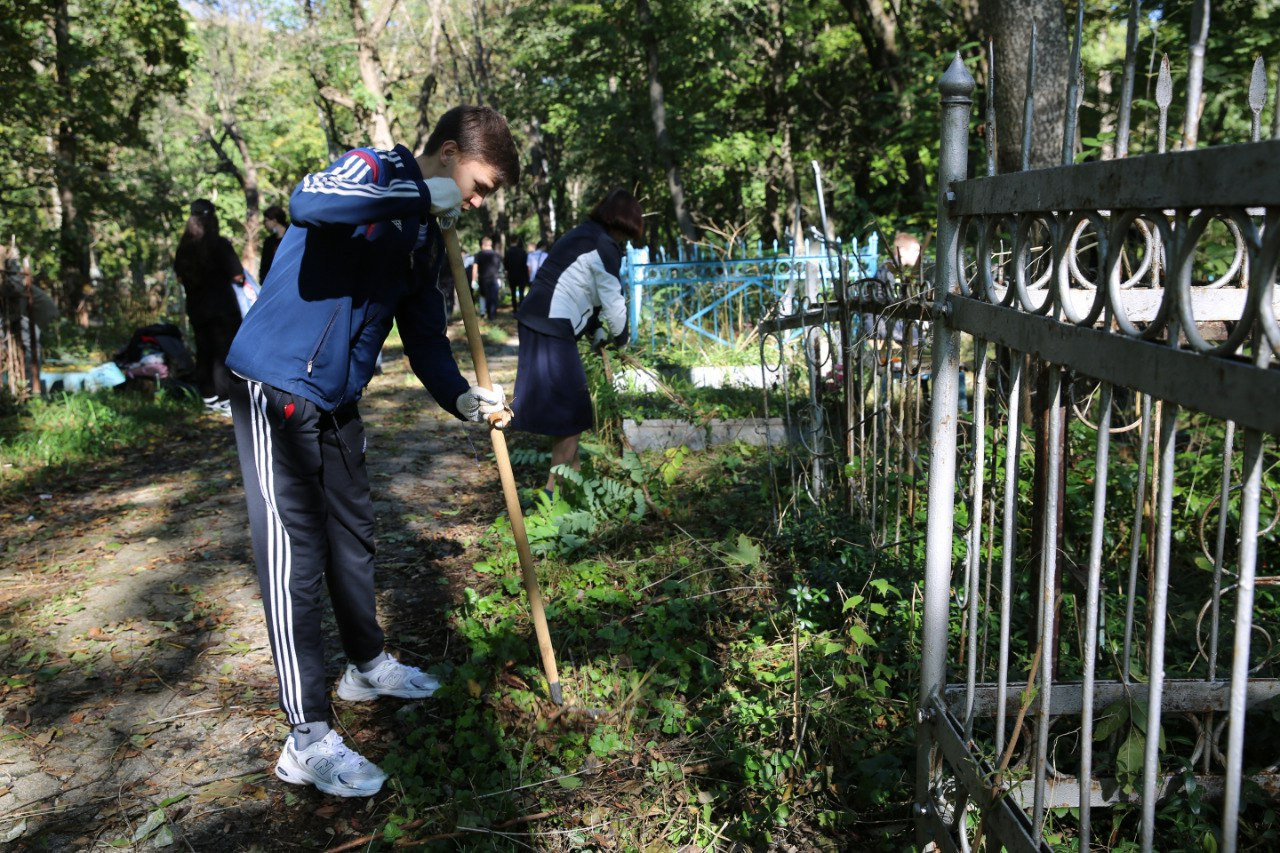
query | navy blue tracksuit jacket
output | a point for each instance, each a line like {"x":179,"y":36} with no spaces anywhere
{"x":363,"y":252}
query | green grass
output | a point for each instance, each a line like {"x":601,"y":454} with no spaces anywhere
{"x":495,"y":335}
{"x":71,"y":429}
{"x":677,"y":397}
{"x":736,"y":683}
{"x":693,"y":350}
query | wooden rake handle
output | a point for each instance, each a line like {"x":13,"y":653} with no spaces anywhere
{"x":508,"y":479}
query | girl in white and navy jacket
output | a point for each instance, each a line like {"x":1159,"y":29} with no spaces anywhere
{"x":576,"y":292}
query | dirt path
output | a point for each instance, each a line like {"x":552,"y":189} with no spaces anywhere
{"x":137,"y":697}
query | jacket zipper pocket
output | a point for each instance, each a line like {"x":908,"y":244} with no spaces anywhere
{"x":323,"y":337}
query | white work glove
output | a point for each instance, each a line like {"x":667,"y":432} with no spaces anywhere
{"x":446,"y":200}
{"x":479,"y":404}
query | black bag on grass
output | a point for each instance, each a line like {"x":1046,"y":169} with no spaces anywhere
{"x":164,"y":338}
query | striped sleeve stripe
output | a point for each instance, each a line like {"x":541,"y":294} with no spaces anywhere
{"x":357,"y":173}
{"x":345,"y":168}
{"x":326,"y":184}
{"x":371,"y":160}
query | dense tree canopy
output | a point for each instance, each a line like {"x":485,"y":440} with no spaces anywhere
{"x":114,"y":116}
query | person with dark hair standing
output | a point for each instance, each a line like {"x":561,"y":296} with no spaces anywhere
{"x":516,"y":264}
{"x":208,"y":267}
{"x":276,"y":221}
{"x":577,"y":292}
{"x":365,"y":251}
{"x":484,"y":272}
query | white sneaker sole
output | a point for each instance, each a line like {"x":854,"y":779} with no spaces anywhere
{"x":288,"y":770}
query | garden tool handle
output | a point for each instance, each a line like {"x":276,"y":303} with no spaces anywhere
{"x":530,"y":576}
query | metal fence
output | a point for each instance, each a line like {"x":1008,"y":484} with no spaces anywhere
{"x":710,"y":294}
{"x":1097,"y":638}
{"x":861,"y":355}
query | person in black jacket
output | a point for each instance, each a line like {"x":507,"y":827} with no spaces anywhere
{"x":364,"y":251}
{"x":484,"y":272}
{"x":208,"y":267}
{"x":516,"y":263}
{"x":276,"y":221}
{"x":576,"y":290}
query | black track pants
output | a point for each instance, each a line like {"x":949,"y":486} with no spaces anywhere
{"x":489,"y":290}
{"x":213,"y":337}
{"x":311,"y":520}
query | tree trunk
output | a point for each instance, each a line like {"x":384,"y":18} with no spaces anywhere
{"x":541,"y":151}
{"x":772,"y":229}
{"x":479,"y":61}
{"x":658,"y":111}
{"x":790,"y":180}
{"x":429,"y":83}
{"x":1106,"y":115}
{"x":73,"y":255}
{"x":328,"y":121}
{"x":323,"y":100}
{"x":878,"y":30}
{"x":424,"y":127}
{"x":252,"y":197}
{"x":246,"y":176}
{"x":780,"y":111}
{"x":1009,"y":23}
{"x":374,"y":107}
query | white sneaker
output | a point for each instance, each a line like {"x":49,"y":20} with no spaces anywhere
{"x":389,"y":678}
{"x":331,"y":767}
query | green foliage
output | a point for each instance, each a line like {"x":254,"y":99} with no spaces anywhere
{"x":166,"y":102}
{"x":741,"y":673}
{"x":71,"y":428}
{"x":586,"y":503}
{"x":77,"y":100}
{"x":1239,"y":32}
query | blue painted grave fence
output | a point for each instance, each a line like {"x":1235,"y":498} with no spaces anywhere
{"x":718,"y":293}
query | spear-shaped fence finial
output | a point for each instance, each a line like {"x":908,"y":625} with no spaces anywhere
{"x":1257,"y":96}
{"x":1164,"y":97}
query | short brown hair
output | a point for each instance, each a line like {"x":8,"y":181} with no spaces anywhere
{"x":621,"y":211}
{"x":481,"y":134}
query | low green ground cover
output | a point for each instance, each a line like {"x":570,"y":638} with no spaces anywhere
{"x":729,"y":680}
{"x":747,"y":684}
{"x":676,"y":396}
{"x":58,"y":434}
{"x":726,"y":682}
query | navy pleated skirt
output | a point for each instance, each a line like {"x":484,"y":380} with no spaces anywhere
{"x":551,"y":395}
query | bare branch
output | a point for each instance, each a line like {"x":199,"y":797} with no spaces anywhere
{"x":225,"y":163}
{"x":382,"y":18}
{"x":331,"y":94}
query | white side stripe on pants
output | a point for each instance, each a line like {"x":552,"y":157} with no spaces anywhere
{"x":279,"y":561}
